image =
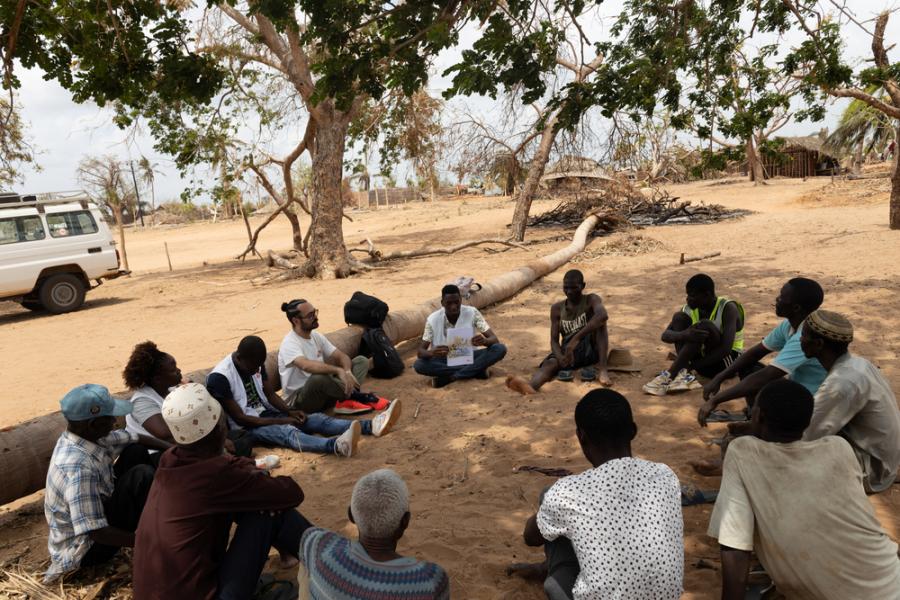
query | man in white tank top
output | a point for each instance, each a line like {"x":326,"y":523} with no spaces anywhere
{"x":432,"y":354}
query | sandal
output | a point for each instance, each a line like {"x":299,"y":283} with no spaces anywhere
{"x":565,"y":375}
{"x":588,"y":374}
{"x":723,"y":416}
{"x":691,"y":495}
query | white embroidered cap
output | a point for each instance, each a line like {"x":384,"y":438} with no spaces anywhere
{"x":190,"y":412}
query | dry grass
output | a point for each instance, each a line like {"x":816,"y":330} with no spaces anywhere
{"x":626,"y":245}
{"x":107,"y":582}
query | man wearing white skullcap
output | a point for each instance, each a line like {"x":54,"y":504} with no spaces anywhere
{"x":855,"y":401}
{"x":182,"y":548}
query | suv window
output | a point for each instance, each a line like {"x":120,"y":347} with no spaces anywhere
{"x":79,"y":222}
{"x":21,"y":229}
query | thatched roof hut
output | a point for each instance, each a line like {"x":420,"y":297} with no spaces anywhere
{"x":801,"y":156}
{"x":573,"y":173}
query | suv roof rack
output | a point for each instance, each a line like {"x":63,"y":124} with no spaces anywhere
{"x":42,"y":199}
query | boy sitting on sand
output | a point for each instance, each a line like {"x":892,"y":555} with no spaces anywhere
{"x":708,"y":334}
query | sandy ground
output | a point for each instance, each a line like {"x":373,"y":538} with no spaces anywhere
{"x":458,"y":455}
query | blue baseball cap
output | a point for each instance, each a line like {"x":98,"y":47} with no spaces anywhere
{"x":90,"y":401}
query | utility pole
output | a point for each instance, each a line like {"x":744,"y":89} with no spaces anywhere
{"x":137,"y":194}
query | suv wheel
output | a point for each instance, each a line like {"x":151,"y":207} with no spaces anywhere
{"x":62,"y":293}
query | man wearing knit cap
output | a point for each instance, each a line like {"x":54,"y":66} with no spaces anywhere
{"x":182,"y":548}
{"x":854,"y":402}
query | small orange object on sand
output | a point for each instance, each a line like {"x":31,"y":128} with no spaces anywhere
{"x":517,"y":384}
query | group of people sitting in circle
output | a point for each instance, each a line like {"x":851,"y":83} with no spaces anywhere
{"x":821,"y":430}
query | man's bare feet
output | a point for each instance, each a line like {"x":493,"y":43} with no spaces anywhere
{"x":604,"y":378}
{"x":534,"y":571}
{"x":710,"y":467}
{"x":517,"y":384}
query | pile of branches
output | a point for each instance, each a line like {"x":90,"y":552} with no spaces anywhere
{"x":620,"y":204}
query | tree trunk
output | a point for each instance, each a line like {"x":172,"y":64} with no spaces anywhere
{"x":117,"y":213}
{"x":754,"y":163}
{"x":510,"y":187}
{"x":895,"y":184}
{"x":328,"y":256}
{"x":535,"y":171}
{"x":296,"y":232}
{"x":858,"y":158}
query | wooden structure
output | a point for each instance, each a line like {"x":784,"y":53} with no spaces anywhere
{"x":381,"y":197}
{"x":801,"y":157}
{"x":573,"y":174}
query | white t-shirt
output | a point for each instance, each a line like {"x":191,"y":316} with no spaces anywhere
{"x":624,"y":521}
{"x":317,"y":347}
{"x":802,"y":508}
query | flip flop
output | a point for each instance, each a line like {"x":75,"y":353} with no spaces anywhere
{"x":588,"y":374}
{"x":691,"y":495}
{"x":565,"y":375}
{"x":723,"y":416}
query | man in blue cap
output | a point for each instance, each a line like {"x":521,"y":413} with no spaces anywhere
{"x":91,"y":505}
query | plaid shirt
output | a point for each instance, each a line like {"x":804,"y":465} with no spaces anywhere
{"x":79,"y":480}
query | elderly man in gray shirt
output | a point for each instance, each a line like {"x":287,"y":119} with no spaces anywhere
{"x":855,"y":401}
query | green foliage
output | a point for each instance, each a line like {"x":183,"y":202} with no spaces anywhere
{"x":15,"y":150}
{"x":121,"y":50}
{"x":863,"y":127}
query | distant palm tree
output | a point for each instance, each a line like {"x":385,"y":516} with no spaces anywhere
{"x":148,"y":176}
{"x":862,"y":129}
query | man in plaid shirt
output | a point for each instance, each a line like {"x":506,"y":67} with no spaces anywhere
{"x":91,"y":505}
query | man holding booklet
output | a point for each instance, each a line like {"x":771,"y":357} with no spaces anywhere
{"x":447,"y":352}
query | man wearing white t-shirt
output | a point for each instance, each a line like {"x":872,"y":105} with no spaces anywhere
{"x":801,"y":507}
{"x":434,"y":349}
{"x":314,"y":374}
{"x":613,"y":531}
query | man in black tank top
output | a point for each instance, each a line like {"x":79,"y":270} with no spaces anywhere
{"x":578,"y":336}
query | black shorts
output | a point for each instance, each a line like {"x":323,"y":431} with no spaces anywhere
{"x":585,"y":353}
{"x":713,"y":370}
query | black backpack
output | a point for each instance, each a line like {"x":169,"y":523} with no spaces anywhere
{"x":365,"y":310}
{"x":376,"y":344}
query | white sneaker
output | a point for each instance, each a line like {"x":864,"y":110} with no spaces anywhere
{"x":386,"y":420}
{"x":659,"y":385}
{"x":345,"y":444}
{"x":683,"y":382}
{"x":268,"y":462}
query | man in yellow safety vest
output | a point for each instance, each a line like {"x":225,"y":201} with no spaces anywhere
{"x":708,"y":334}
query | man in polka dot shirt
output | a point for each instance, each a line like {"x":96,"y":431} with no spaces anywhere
{"x":615,"y":530}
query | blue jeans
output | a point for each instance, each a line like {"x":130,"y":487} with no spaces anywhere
{"x":288,"y":436}
{"x":437,"y":366}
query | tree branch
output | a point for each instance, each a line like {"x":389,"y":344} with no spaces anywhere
{"x":239,"y":18}
{"x":888,"y":109}
{"x":304,"y":144}
{"x":376,"y":255}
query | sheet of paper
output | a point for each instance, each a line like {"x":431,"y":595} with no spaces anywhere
{"x":459,"y":340}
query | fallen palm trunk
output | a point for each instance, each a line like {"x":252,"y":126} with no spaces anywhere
{"x":25,"y":449}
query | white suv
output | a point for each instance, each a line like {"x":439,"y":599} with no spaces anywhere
{"x":51,"y":247}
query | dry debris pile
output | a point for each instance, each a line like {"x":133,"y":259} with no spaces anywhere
{"x":620,"y":204}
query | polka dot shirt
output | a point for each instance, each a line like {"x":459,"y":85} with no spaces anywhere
{"x":624,"y":521}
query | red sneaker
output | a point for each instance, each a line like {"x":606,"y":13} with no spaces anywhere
{"x":351,"y":407}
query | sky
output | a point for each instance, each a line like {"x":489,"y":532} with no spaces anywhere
{"x":62,"y":131}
